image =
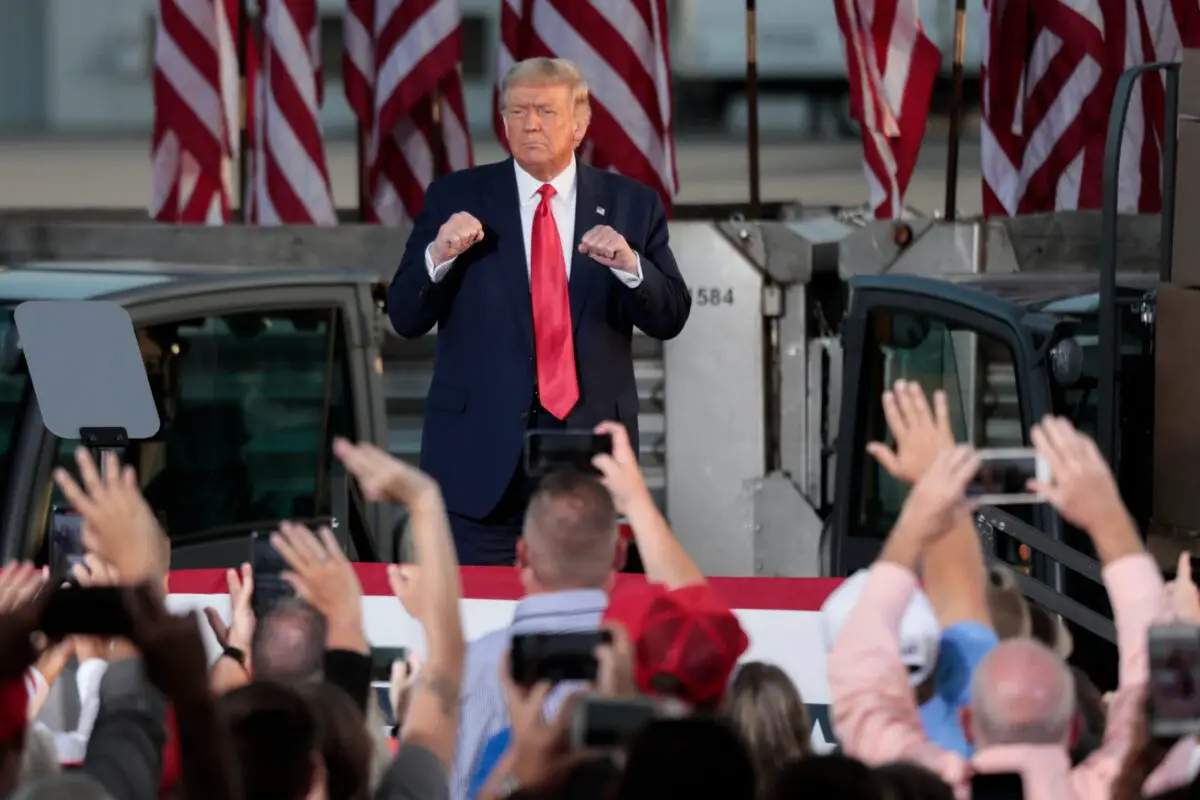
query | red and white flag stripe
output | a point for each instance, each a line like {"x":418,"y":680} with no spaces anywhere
{"x":621,"y":47}
{"x":892,"y":66}
{"x":195,"y":136}
{"x":1049,"y":76}
{"x":289,"y":179}
{"x":402,"y":80}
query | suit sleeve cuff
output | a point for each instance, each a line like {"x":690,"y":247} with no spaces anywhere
{"x":632,"y":281}
{"x":438,"y":271}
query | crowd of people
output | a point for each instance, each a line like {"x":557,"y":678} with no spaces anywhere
{"x":945,"y":682}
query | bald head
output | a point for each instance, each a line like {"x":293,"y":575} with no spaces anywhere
{"x":1022,"y":693}
{"x":570,"y":533}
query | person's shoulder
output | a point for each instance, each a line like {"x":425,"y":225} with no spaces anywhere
{"x":483,"y":659}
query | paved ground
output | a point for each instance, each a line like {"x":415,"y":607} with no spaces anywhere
{"x":108,"y":173}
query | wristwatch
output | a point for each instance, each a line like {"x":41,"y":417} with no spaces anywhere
{"x":236,"y":653}
{"x":508,"y":786}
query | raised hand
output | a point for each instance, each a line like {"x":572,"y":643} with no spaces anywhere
{"x":119,"y":525}
{"x":920,"y":434}
{"x":455,"y":237}
{"x":605,"y":245}
{"x":620,"y":472}
{"x":325,"y":579}
{"x":383,"y":476}
{"x":929,"y":511}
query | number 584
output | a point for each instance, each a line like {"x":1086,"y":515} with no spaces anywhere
{"x":712,"y":296}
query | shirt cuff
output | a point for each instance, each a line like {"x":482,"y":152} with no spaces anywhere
{"x":632,"y":281}
{"x":438,"y":271}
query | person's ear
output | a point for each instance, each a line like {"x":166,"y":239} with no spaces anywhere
{"x":583,"y":118}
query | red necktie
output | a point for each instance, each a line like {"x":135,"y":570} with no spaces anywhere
{"x":558,"y":387}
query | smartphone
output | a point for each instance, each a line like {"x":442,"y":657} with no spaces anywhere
{"x":66,"y":542}
{"x":88,"y":611}
{"x":1174,"y":692}
{"x":549,"y":451}
{"x":555,"y":657}
{"x":997,"y":786}
{"x":268,"y":567}
{"x":606,"y":723}
{"x":1003,"y":475}
{"x":381,"y":663}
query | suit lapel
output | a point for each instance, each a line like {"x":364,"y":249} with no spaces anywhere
{"x":583,"y":269}
{"x":510,"y":246}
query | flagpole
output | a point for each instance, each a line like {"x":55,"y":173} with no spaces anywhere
{"x":360,"y":156}
{"x":752,"y":106}
{"x":956,"y":108}
{"x":243,"y":55}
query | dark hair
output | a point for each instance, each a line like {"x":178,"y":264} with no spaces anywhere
{"x":911,"y":782}
{"x":834,"y":776}
{"x":697,"y":756}
{"x":276,"y":737}
{"x":570,"y":531}
{"x":289,"y":643}
{"x":345,"y":743}
{"x":765,"y":707}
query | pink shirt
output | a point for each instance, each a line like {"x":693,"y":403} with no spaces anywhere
{"x":875,"y":714}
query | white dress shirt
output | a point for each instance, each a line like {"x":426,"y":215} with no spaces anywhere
{"x":563,"y":206}
{"x":71,"y":746}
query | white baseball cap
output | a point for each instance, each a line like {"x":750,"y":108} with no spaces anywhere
{"x":920,"y":633}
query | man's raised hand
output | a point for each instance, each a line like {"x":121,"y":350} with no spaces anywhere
{"x":929,"y":511}
{"x":455,"y":237}
{"x":118,"y":524}
{"x":325,"y":579}
{"x":382,"y":476}
{"x":920,"y":433}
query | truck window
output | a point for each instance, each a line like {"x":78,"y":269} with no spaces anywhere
{"x":975,"y":371}
{"x":249,"y":405}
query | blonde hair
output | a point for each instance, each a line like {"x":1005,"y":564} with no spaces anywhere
{"x":547,"y":72}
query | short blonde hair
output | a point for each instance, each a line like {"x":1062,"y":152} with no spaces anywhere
{"x":547,"y":72}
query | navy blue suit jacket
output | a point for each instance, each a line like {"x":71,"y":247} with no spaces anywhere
{"x":477,"y":410}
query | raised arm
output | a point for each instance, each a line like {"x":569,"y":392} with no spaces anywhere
{"x":1085,"y":494}
{"x":874,"y":710}
{"x":662,"y":555}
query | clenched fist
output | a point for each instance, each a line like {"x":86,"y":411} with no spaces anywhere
{"x":605,"y":245}
{"x":455,"y":236}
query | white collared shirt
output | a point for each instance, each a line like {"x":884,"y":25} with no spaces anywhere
{"x":563,"y":207}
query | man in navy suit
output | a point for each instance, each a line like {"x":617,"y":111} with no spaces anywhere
{"x":535,"y":271}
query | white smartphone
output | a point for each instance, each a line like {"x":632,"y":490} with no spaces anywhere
{"x":1004,"y":473}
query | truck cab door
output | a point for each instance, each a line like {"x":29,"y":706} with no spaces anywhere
{"x":962,"y":341}
{"x":252,"y":384}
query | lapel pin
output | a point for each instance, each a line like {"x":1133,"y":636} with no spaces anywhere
{"x":600,"y":210}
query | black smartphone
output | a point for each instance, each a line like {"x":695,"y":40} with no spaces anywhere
{"x":550,"y":450}
{"x":268,"y":567}
{"x":66,"y":542}
{"x":555,"y":657}
{"x":1174,"y":692}
{"x":381,"y":663}
{"x":602,"y":723}
{"x":997,"y":786}
{"x":1195,"y":570}
{"x":88,"y":611}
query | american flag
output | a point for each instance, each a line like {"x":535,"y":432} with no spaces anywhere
{"x":401,"y":73}
{"x":1050,"y":72}
{"x":892,"y":66}
{"x":195,"y":111}
{"x":289,"y":181}
{"x":621,"y":48}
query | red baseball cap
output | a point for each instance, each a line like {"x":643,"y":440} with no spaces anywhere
{"x":14,"y":705}
{"x":688,"y":634}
